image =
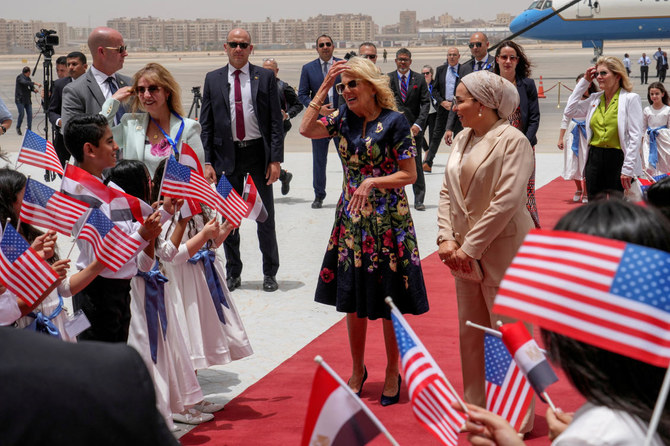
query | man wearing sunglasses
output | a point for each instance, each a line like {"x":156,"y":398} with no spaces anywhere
{"x":242,"y":133}
{"x":369,"y":51}
{"x":87,"y":94}
{"x":311,"y":77}
{"x":413,"y":100}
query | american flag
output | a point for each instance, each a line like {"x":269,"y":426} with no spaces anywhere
{"x":22,"y":270}
{"x":44,"y":207}
{"x":179,"y":181}
{"x":508,"y":393}
{"x":235,"y":207}
{"x":39,"y":152}
{"x":645,"y":183}
{"x":604,"y":292}
{"x":429,"y":390}
{"x":112,"y":247}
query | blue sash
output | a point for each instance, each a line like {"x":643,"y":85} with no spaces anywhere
{"x":154,"y":305}
{"x":580,"y":127}
{"x":212,"y":277}
{"x":653,"y":147}
{"x":43,"y":324}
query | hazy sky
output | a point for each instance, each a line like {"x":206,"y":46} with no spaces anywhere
{"x":383,"y":12}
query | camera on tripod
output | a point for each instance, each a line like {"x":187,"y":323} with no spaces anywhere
{"x":46,"y":40}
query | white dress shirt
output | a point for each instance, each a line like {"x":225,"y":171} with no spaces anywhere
{"x":251,"y":128}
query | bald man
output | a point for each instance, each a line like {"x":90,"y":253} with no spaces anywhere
{"x":87,"y":94}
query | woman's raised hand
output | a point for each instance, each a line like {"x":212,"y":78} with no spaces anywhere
{"x":123,"y":93}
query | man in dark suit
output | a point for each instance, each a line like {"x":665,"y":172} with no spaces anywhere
{"x":242,"y":134}
{"x":413,"y":100}
{"x":444,"y":86}
{"x":89,"y":393}
{"x":311,"y":77}
{"x":23,"y":98}
{"x":481,"y":60}
{"x":87,"y":94}
{"x":76,"y":66}
{"x":290,"y":107}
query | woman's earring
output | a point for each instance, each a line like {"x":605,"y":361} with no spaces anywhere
{"x":480,"y":112}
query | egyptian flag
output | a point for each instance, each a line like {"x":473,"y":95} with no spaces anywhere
{"x":528,"y":356}
{"x":188,"y":157}
{"x":334,"y":417}
{"x":257,"y":209}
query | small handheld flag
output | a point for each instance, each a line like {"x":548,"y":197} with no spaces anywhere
{"x":22,"y":270}
{"x":44,"y":207}
{"x":39,"y":152}
{"x":256,"y":209}
{"x":235,"y":208}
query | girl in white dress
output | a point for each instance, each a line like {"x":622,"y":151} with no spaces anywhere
{"x":575,"y":153}
{"x":656,"y":144}
{"x":154,"y":327}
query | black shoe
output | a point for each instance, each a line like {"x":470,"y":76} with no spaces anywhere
{"x":233,"y":283}
{"x":286,"y":183}
{"x":18,"y":130}
{"x":317,"y":203}
{"x":270,"y":284}
{"x":388,"y":400}
{"x":365,"y":376}
{"x":420,"y":207}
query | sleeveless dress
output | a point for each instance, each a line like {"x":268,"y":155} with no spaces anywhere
{"x":373,"y":253}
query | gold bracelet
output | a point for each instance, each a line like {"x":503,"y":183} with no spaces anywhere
{"x":315,"y":106}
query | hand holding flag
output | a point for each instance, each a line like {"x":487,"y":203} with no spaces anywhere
{"x":39,"y":152}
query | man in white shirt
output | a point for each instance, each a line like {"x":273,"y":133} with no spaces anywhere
{"x":644,"y":68}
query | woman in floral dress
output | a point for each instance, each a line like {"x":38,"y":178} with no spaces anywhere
{"x":372,"y":252}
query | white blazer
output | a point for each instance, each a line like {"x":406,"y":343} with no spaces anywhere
{"x":629,"y":118}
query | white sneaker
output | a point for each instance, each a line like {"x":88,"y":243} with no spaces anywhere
{"x":585,"y":199}
{"x":208,"y":406}
{"x":192,"y":416}
{"x":577,"y":196}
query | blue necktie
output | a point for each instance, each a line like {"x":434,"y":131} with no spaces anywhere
{"x":403,"y":88}
{"x":112,"y":88}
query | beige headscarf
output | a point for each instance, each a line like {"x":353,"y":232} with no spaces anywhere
{"x":492,"y":91}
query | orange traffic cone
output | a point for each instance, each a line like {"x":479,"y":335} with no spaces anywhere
{"x":540,"y":92}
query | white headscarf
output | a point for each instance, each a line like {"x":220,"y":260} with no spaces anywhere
{"x":492,"y":91}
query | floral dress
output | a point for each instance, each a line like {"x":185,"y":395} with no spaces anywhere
{"x":373,"y":253}
{"x":515,"y":121}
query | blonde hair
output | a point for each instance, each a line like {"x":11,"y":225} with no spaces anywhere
{"x":159,"y":75}
{"x":362,"y":68}
{"x":615,"y":65}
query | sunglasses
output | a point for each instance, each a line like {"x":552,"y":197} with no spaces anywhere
{"x":426,"y":73}
{"x":510,"y":58}
{"x":120,"y":49}
{"x":474,"y":44}
{"x":601,"y":73}
{"x":243,"y":45}
{"x":269,"y":59}
{"x":151,"y":89}
{"x":351,"y":85}
{"x":322,"y":44}
{"x":369,"y":56}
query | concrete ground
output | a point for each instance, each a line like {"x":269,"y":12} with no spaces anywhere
{"x":281,"y":323}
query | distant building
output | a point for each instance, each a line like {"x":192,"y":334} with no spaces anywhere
{"x":17,"y":36}
{"x":407,"y":22}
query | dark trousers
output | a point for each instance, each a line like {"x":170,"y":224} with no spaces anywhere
{"x":439,"y":129}
{"x":603,"y":171}
{"x":106,"y":303}
{"x":644,"y":74}
{"x":661,"y":74}
{"x":419,"y":186}
{"x":61,"y":151}
{"x":319,"y":161}
{"x":27,"y":110}
{"x":251,"y":160}
{"x":430,"y":128}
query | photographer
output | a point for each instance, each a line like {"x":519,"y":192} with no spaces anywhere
{"x":22,"y":96}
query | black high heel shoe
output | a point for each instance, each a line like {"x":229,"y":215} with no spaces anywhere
{"x":365,"y":376}
{"x":388,"y":400}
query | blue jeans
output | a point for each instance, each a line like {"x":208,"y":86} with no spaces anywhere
{"x":25,"y":109}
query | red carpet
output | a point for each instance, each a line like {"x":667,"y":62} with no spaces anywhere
{"x":272,"y":411}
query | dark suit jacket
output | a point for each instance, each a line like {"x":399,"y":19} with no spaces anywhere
{"x":440,"y":87}
{"x":289,"y":102}
{"x":417,"y":103}
{"x":90,"y":393}
{"x":311,"y":78}
{"x":85,"y":96}
{"x":530,"y":108}
{"x":217,"y":136}
{"x":57,"y":100}
{"x":464,"y":69}
{"x":24,"y":89}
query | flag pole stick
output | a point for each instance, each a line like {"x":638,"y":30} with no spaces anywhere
{"x":549,"y":401}
{"x":488,"y":330}
{"x":319,"y":360}
{"x":658,"y":409}
{"x":389,"y":301}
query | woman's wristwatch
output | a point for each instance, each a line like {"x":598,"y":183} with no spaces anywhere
{"x":4,"y":129}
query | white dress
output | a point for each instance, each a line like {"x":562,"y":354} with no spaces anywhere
{"x":602,"y":426}
{"x":653,"y":119}
{"x":573,"y":165}
{"x":210,"y":341}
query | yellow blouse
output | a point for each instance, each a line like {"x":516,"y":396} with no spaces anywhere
{"x":605,"y":124}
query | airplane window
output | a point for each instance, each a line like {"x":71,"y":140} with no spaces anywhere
{"x":533,"y":5}
{"x":547,"y":4}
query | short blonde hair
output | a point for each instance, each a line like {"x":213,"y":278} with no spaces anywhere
{"x":615,"y":65}
{"x":159,"y":75}
{"x":362,"y":68}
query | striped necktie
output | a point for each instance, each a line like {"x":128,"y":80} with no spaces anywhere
{"x":403,"y":87}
